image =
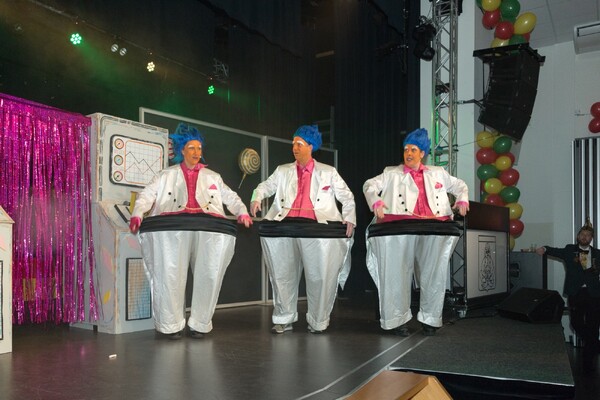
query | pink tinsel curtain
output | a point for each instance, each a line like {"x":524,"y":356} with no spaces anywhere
{"x":45,"y":188}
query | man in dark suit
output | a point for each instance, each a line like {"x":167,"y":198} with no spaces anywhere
{"x":582,"y":286}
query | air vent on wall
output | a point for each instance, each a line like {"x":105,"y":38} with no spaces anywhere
{"x":586,"y":37}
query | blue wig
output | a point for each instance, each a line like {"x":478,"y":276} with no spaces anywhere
{"x":183,"y":134}
{"x":419,"y":138}
{"x":311,"y":135}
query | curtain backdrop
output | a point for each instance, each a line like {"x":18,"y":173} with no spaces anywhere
{"x":277,"y":21}
{"x":45,"y":188}
{"x":377,"y":102}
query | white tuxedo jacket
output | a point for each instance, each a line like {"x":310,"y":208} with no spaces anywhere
{"x":167,"y":192}
{"x":399,"y":191}
{"x":326,"y":186}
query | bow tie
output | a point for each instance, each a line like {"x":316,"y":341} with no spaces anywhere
{"x":584,"y":251}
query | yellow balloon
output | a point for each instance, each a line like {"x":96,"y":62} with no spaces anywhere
{"x":497,"y":42}
{"x":493,"y":186}
{"x":490,"y":5}
{"x":485,"y":139}
{"x":525,"y":23}
{"x":511,"y":244}
{"x":503,"y":163}
{"x":515,"y":210}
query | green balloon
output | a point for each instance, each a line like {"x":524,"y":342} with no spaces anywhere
{"x":478,"y":3}
{"x":502,"y":145}
{"x":486,"y":172}
{"x":509,"y":10}
{"x":517,"y":39}
{"x":510,"y":194}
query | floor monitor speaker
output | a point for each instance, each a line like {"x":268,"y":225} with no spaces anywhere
{"x":533,"y":305}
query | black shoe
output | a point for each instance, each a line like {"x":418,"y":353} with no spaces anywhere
{"x":429,"y":330}
{"x":174,"y":336}
{"x":401,"y":330}
{"x":195,"y":334}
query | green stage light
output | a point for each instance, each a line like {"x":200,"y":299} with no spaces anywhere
{"x":211,"y":89}
{"x":76,"y":39}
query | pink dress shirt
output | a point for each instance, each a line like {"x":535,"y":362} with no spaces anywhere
{"x":302,"y":206}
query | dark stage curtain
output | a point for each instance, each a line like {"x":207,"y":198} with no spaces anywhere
{"x":272,"y":89}
{"x":377,"y":101}
{"x":265,"y":46}
{"x":278,"y":21}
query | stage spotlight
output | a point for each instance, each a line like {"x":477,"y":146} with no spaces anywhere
{"x":76,"y":39}
{"x":424,"y":34}
{"x":122,"y":51}
{"x":114,"y":48}
{"x":150,"y":67}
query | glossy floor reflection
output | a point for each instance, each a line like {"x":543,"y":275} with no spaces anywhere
{"x":240,"y":359}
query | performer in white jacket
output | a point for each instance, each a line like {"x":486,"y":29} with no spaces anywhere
{"x":308,"y":232}
{"x":185,"y":226}
{"x":412,"y":233}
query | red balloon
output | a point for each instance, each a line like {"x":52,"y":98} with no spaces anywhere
{"x":594,"y":125}
{"x":516,"y":227}
{"x":526,"y":36}
{"x":511,"y":156}
{"x":495,"y":200}
{"x":491,"y":18}
{"x":504,"y":30}
{"x":595,"y":109}
{"x":486,"y":155}
{"x":509,"y":177}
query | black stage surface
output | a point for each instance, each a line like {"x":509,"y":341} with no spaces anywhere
{"x":495,"y":358}
{"x":241,"y":359}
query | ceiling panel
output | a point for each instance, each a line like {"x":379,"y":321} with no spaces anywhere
{"x":557,"y":18}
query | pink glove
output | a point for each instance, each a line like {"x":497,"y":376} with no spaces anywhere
{"x":245,"y":220}
{"x":378,"y":209}
{"x":378,"y":204}
{"x":134,"y":224}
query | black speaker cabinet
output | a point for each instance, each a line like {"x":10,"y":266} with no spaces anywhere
{"x":512,"y":88}
{"x":509,"y":121}
{"x":533,"y":305}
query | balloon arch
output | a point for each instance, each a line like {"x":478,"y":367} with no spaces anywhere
{"x":509,"y":26}
{"x":498,"y":177}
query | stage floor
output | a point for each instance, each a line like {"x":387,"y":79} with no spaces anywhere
{"x":496,"y":356}
{"x":241,"y":359}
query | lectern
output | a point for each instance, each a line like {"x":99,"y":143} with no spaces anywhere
{"x":479,"y":268}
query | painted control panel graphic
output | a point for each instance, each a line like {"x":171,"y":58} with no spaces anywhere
{"x":133,"y":161}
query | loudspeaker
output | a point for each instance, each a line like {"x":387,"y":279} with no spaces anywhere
{"x":533,"y":305}
{"x":511,"y":91}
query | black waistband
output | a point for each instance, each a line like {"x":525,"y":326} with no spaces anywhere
{"x":301,"y":228}
{"x":415,"y":227}
{"x":188,"y":222}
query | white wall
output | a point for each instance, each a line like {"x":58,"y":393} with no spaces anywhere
{"x":568,"y":85}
